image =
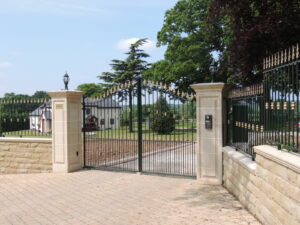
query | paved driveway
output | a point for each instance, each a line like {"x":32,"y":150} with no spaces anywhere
{"x":97,"y":197}
{"x":178,"y":160}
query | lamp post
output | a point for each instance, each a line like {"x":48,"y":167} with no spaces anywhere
{"x":66,"y":80}
{"x":213,"y":70}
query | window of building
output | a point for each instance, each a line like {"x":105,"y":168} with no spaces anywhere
{"x":102,"y":121}
{"x":112,"y":121}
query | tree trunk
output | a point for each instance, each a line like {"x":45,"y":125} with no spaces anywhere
{"x":130,"y":111}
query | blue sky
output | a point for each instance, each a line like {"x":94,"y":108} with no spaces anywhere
{"x":42,"y":39}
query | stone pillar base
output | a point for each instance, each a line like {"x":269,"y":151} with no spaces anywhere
{"x":67,"y":151}
{"x":210,"y":141}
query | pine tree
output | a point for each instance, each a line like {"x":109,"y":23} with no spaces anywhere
{"x":118,"y":76}
{"x":135,"y":63}
{"x":128,"y":70}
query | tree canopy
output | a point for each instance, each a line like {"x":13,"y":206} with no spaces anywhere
{"x":237,"y":34}
{"x":190,"y":45}
{"x":12,"y":95}
{"x":41,"y":94}
{"x":188,"y":55}
{"x":37,"y":94}
{"x":129,"y":69}
{"x":258,"y":28}
{"x":91,"y":89}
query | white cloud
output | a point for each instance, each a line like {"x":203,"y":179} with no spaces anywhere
{"x":125,"y":44}
{"x":5,"y":64}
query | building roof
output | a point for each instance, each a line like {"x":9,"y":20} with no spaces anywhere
{"x":38,"y":111}
{"x":103,"y":103}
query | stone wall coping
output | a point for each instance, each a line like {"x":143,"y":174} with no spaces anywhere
{"x":208,"y":86}
{"x":26,"y":140}
{"x":64,"y":93}
{"x":242,"y":159}
{"x":283,"y":158}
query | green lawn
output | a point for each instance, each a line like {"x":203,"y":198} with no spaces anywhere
{"x":123,"y":133}
{"x":184,"y":132}
{"x":185,"y":125}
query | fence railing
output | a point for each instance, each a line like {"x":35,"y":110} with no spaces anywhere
{"x":268,"y":113}
{"x":245,"y":127}
{"x":25,"y":117}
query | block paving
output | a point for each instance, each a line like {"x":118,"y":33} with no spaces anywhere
{"x":102,"y":197}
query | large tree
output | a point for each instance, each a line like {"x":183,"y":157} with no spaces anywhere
{"x":258,"y":28}
{"x":239,"y":33}
{"x":37,"y":94}
{"x":41,"y":94}
{"x":128,"y":70}
{"x":14,"y":96}
{"x":189,"y":46}
{"x":118,"y":75}
{"x":91,"y":89}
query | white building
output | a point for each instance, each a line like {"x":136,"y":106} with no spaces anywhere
{"x":99,"y":115}
{"x":102,"y":114}
{"x":40,"y":118}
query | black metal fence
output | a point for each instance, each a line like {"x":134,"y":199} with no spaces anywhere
{"x":141,"y":126}
{"x":268,"y":113}
{"x":26,"y":117}
{"x":245,"y":116}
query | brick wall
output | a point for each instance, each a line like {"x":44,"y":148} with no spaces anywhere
{"x":269,"y":187}
{"x":25,"y":155}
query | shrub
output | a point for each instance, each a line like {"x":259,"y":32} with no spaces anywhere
{"x":162,"y":120}
{"x":124,"y":118}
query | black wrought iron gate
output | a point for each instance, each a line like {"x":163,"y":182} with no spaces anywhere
{"x":141,"y":126}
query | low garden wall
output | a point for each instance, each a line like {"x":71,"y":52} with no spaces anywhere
{"x":25,"y":155}
{"x":268,"y":187}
